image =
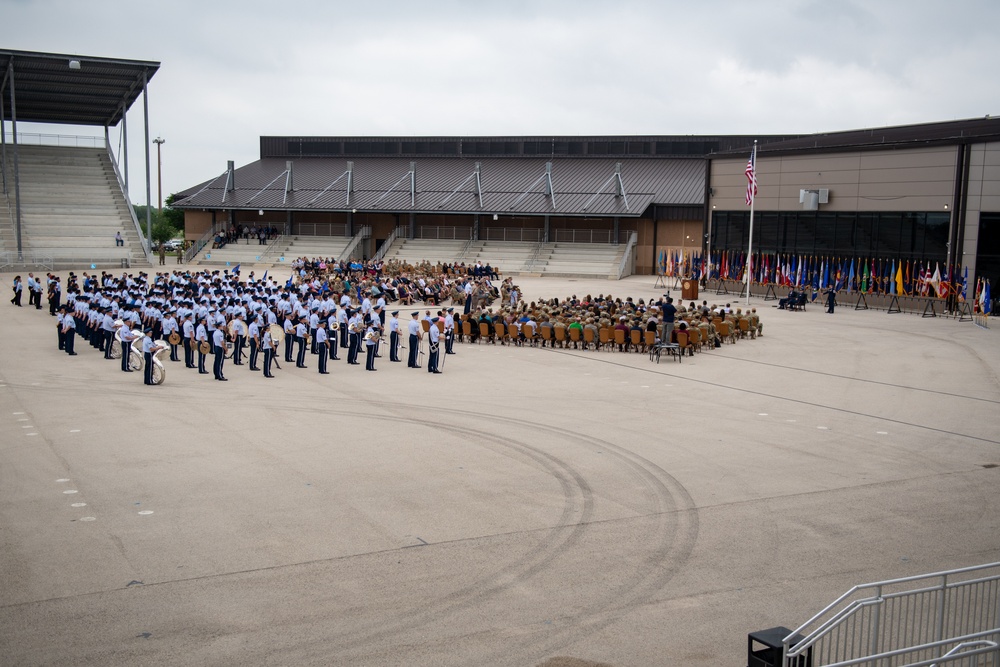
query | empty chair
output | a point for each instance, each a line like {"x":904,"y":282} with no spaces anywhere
{"x":589,"y":339}
{"x":604,"y":338}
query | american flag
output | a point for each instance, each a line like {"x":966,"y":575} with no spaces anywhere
{"x":751,"y":173}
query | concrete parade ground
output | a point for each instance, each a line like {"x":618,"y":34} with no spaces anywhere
{"x":526,"y":507}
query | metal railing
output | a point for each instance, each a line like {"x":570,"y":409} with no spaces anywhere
{"x":271,"y":247}
{"x":380,"y":253}
{"x":63,"y":140}
{"x":363,"y":233}
{"x":444,"y":233}
{"x":512,"y":234}
{"x":588,"y":236}
{"x":920,"y":617}
{"x":320,"y":229}
{"x":200,"y":243}
{"x":627,"y":256}
{"x":529,"y":265}
{"x":144,"y":246}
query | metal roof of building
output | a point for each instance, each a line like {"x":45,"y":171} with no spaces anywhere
{"x":954,"y":132}
{"x":443,"y":185}
{"x":48,"y":90}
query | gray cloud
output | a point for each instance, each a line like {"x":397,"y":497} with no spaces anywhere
{"x":232,"y":71}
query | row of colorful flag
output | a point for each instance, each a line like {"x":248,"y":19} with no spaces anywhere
{"x":862,"y":274}
{"x":679,"y":262}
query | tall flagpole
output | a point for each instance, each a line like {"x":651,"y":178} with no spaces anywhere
{"x":751,"y":196}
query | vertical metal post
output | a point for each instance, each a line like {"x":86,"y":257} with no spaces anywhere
{"x":17,"y":165}
{"x":159,"y":173}
{"x":413,"y":184}
{"x":545,"y":229}
{"x":475,"y":227}
{"x":149,"y":198}
{"x":125,"y":152}
{"x":413,"y":225}
{"x":616,"y":231}
{"x":940,"y":608}
{"x":876,"y":620}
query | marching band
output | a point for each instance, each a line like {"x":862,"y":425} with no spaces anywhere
{"x":217,"y":313}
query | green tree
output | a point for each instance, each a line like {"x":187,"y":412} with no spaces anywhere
{"x":174,"y":215}
{"x":163,"y":227}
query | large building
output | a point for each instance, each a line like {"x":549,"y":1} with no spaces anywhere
{"x":920,"y":193}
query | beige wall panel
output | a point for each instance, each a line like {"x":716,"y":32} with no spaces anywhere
{"x":196,"y":223}
{"x":935,"y":156}
{"x":833,"y":162}
{"x":911,"y":180}
{"x":933,"y":174}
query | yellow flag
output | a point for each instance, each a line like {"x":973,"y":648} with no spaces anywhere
{"x":899,"y":279}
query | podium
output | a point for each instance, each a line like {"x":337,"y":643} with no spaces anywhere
{"x":689,"y":289}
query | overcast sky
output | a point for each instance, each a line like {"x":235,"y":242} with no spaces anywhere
{"x":233,"y":71}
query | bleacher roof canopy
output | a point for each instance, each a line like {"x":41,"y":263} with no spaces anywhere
{"x":70,"y":89}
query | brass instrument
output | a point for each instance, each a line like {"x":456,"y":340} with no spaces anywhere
{"x":276,"y":333}
{"x":174,"y":338}
{"x":204,"y":347}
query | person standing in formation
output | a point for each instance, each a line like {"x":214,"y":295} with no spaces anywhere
{"x":253,"y":336}
{"x":322,"y":346}
{"x":415,"y":335}
{"x":269,"y":346}
{"x":147,"y":356}
{"x":433,"y":346}
{"x":394,"y":336}
{"x":219,"y":348}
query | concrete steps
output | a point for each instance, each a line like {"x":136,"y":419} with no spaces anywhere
{"x":72,"y":207}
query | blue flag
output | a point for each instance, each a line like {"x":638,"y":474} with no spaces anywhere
{"x":987,"y":301}
{"x":236,"y":269}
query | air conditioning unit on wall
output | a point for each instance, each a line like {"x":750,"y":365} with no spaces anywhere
{"x":811,"y":199}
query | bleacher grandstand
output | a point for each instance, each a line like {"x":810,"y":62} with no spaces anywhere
{"x":71,"y":206}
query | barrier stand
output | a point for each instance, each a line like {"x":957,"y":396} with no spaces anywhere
{"x":861,"y":300}
{"x":894,"y":306}
{"x":721,"y":288}
{"x":965,"y":313}
{"x":929,"y":306}
{"x":770,"y":295}
{"x":660,"y":281}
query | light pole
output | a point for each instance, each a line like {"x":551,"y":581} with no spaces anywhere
{"x":159,"y":178}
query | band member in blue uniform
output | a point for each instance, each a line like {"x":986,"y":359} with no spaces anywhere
{"x":415,"y":335}
{"x":394,"y":336}
{"x":322,"y":344}
{"x":147,"y":356}
{"x":434,"y":346}
{"x":219,"y":348}
{"x":270,"y":346}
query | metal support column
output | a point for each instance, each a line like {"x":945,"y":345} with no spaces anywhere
{"x":149,"y":195}
{"x":128,"y":194}
{"x":17,"y":165}
{"x":545,"y":230}
{"x":616,"y":231}
{"x":475,"y":227}
{"x":350,"y":222}
{"x":413,"y":225}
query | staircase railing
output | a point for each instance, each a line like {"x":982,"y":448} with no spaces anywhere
{"x":380,"y":253}
{"x":131,"y":211}
{"x":363,"y":233}
{"x":923,"y":618}
{"x":626,"y":263}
